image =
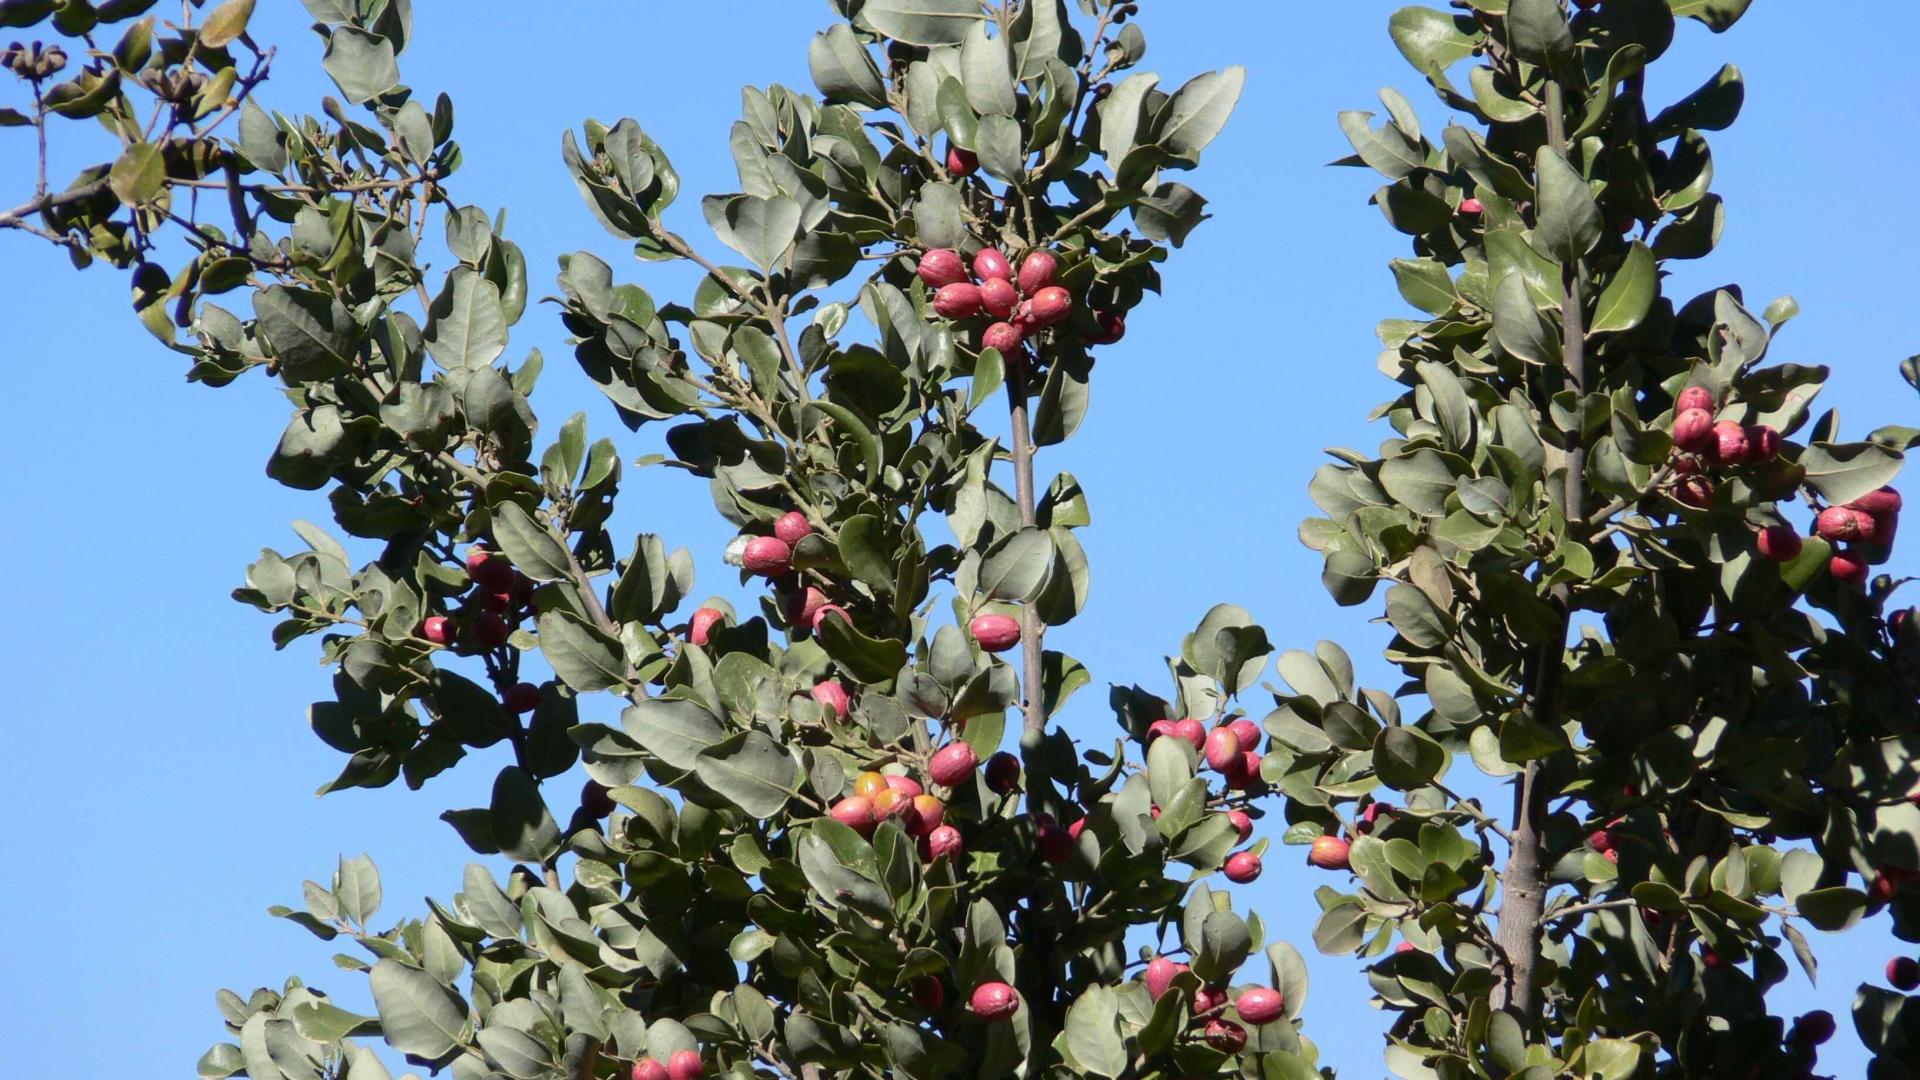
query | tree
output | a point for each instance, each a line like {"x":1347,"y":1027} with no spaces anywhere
{"x":805,"y":850}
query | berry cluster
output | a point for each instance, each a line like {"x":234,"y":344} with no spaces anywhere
{"x":1702,"y":443}
{"x":1865,"y":528}
{"x":1018,"y":306}
{"x":500,"y":600}
{"x":681,"y":1065}
{"x":1255,"y":1005}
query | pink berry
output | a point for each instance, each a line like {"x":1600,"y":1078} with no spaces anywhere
{"x":437,"y":629}
{"x":490,"y":631}
{"x":1329,"y":853}
{"x":1222,"y":749}
{"x":831,"y":695}
{"x":1903,"y":973}
{"x":1878,"y":502}
{"x":700,"y":628}
{"x":1157,"y":729}
{"x":1207,"y":999}
{"x":1051,"y":842}
{"x":1763,"y":444}
{"x":989,"y":263}
{"x":767,"y":556}
{"x":1694,"y":491}
{"x":1003,"y":336}
{"x":1694,"y":397}
{"x":952,"y":764}
{"x":1160,"y":973}
{"x":1226,"y":1036}
{"x":929,"y":993}
{"x":1471,"y":207}
{"x":905,"y":785}
{"x":1712,"y":959}
{"x":490,"y":572}
{"x":942,"y":267}
{"x":1109,"y":327}
{"x":995,"y":632}
{"x":1051,"y":305}
{"x":960,"y":162}
{"x":1260,"y":1005}
{"x":1191,"y":730}
{"x":1248,"y":731}
{"x":792,"y":527}
{"x":1242,"y":824}
{"x":1244,"y":775}
{"x":994,"y":1001}
{"x":855,"y":812}
{"x":1003,"y":773}
{"x":1242,"y":867}
{"x":648,"y":1069}
{"x":958,"y":301}
{"x":1779,"y":543}
{"x":1729,"y":446}
{"x":1814,"y":1028}
{"x":684,"y":1065}
{"x":1037,"y":271}
{"x":521,"y":698}
{"x":595,"y":799}
{"x":944,"y":842}
{"x":998,"y":297}
{"x":1693,"y":431}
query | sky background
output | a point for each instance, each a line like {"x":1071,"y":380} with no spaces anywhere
{"x":162,"y":772}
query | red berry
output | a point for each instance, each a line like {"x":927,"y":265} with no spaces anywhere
{"x":1815,"y":1027}
{"x":944,"y":842}
{"x":1693,"y":431}
{"x":1109,"y":327}
{"x":994,"y":1001}
{"x":1879,"y":502}
{"x":1403,"y":948}
{"x":1051,"y":842}
{"x":1037,"y":271}
{"x":1884,"y":887}
{"x":1003,"y":336}
{"x":831,"y":695}
{"x":1903,"y":972}
{"x":684,"y":1065}
{"x":1763,"y":444}
{"x":648,"y":1069}
{"x":490,"y":631}
{"x":1222,"y":749}
{"x":1003,"y":773}
{"x":1157,"y":729}
{"x":855,"y":812}
{"x":1848,"y":569}
{"x":1260,"y":1005}
{"x":595,"y":799}
{"x":767,"y":556}
{"x":1601,"y":840}
{"x":1160,"y":973}
{"x":1226,"y":1036}
{"x":989,"y":263}
{"x":1471,"y":206}
{"x":700,"y":627}
{"x":1051,"y":305}
{"x":941,"y":267}
{"x":437,"y":629}
{"x":958,"y":301}
{"x":1074,"y":830}
{"x":804,"y":607}
{"x":521,"y":697}
{"x":1694,"y":491}
{"x":1242,"y":824}
{"x":929,"y":993}
{"x":961,"y":162}
{"x":1779,"y":543}
{"x":998,"y":297}
{"x":905,"y":785}
{"x":1839,"y":523}
{"x":1712,"y":959}
{"x":925,"y":813}
{"x":1245,"y":774}
{"x":995,"y":632}
{"x":1191,"y":730}
{"x":1373,"y":813}
{"x":1248,"y":731}
{"x":1243,"y":866}
{"x":494,"y":602}
{"x":1694,"y":397}
{"x":1207,"y":999}
{"x":1329,"y":853}
{"x":1729,"y":446}
{"x":952,"y":764}
{"x":792,"y":527}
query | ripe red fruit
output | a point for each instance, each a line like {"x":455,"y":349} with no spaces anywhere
{"x":929,"y":993}
{"x":905,"y":785}
{"x":995,"y":632}
{"x":831,"y":695}
{"x":1763,"y":444}
{"x":1601,"y":840}
{"x":1839,"y":523}
{"x":648,"y":1069}
{"x":1222,"y":749}
{"x":1109,"y":327}
{"x":768,"y":556}
{"x":1471,"y":206}
{"x":1693,"y":431}
{"x":1208,"y":998}
{"x":1694,"y":491}
{"x":941,"y":267}
{"x":804,"y":607}
{"x":1329,"y":853}
{"x":684,"y":1065}
{"x":925,"y":813}
{"x":595,"y":799}
{"x":892,"y":804}
{"x":488,"y":571}
{"x":1037,"y":271}
{"x":1248,"y":731}
{"x":1403,"y":948}
{"x":1729,"y":445}
{"x":1051,"y":842}
{"x":1903,"y":973}
{"x":944,"y":842}
{"x":1815,"y":1027}
{"x":1374,"y":812}
{"x":998,"y":297}
{"x":1779,"y":543}
{"x":1074,"y":830}
{"x":1260,"y":1005}
{"x":1713,"y":960}
{"x":1003,"y":336}
{"x":994,"y":1001}
{"x":1242,"y":824}
{"x":792,"y":527}
{"x":494,"y":602}
{"x":1226,"y":1036}
{"x":856,"y":813}
{"x":1191,"y":730}
{"x":820,"y":617}
{"x":989,"y":263}
{"x":521,"y":697}
{"x":1160,"y":973}
{"x":952,"y":764}
{"x":961,"y":162}
{"x":1879,"y":502}
{"x":1883,"y":888}
{"x":1694,"y":397}
{"x":437,"y":629}
{"x":1848,"y":569}
{"x":1243,"y":866}
{"x":1244,"y":775}
{"x":490,"y":631}
{"x":958,"y":301}
{"x":1051,"y":304}
{"x":1157,"y":729}
{"x":1002,"y":773}
{"x":700,"y":628}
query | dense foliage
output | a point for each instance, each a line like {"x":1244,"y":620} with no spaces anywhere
{"x":808,"y":847}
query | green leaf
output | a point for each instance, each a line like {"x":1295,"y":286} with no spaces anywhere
{"x":1832,"y":909}
{"x":310,"y":334}
{"x":361,"y":64}
{"x":1429,"y":38}
{"x":986,"y":73}
{"x":356,"y":885}
{"x":751,"y":771}
{"x":672,"y":729}
{"x":1629,"y":296}
{"x":418,"y":1015}
{"x":522,"y":825}
{"x":1198,"y":111}
{"x":1713,"y":107}
{"x":844,"y":70}
{"x":1517,"y":326}
{"x":222,"y":26}
{"x":1348,"y":577}
{"x":584,"y":657}
{"x":762,"y":229}
{"x":1425,"y":284}
{"x":1223,"y":945}
{"x":922,"y":22}
{"x":1717,"y":14}
{"x":139,"y":174}
{"x":1842,"y":472}
{"x":1406,"y":758}
{"x":1017,"y":568}
{"x":1093,"y":1032}
{"x":1539,"y":32}
{"x":1420,"y":481}
{"x":529,"y":546}
{"x":1570,"y":221}
{"x":870,"y":660}
{"x":1289,"y":976}
{"x":466,"y":326}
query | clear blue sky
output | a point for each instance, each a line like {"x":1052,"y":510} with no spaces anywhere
{"x":160,"y":793}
